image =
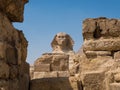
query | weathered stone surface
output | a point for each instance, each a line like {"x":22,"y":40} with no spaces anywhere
{"x":60,"y":63}
{"x":63,"y":74}
{"x":117,"y":55}
{"x":52,"y":84}
{"x":37,"y":75}
{"x":2,"y":50}
{"x":13,"y":9}
{"x":4,"y":70}
{"x":4,"y":85}
{"x":94,"y":54}
{"x":11,"y":55}
{"x":52,"y":62}
{"x":115,"y":86}
{"x":101,"y":27}
{"x":13,"y":71}
{"x":42,"y":68}
{"x":93,"y":80}
{"x":102,"y":45}
{"x":24,"y":82}
{"x":117,"y":77}
{"x":13,"y":47}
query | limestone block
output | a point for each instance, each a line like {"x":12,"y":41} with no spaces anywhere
{"x":44,"y":74}
{"x":102,"y":45}
{"x":92,"y":54}
{"x":117,"y":55}
{"x":13,"y":72}
{"x":100,"y":27}
{"x":93,"y":80}
{"x":42,"y":68}
{"x":11,"y":55}
{"x":2,"y":50}
{"x":51,"y":84}
{"x":63,"y":74}
{"x":4,"y":70}
{"x":60,"y":63}
{"x":38,"y":75}
{"x":115,"y":86}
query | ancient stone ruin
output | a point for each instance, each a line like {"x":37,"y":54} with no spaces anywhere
{"x":95,"y":67}
{"x":56,"y":67}
{"x":14,"y":71}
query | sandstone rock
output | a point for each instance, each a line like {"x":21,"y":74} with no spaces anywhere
{"x":4,"y":70}
{"x":37,"y":75}
{"x":102,"y":45}
{"x":117,"y":55}
{"x":63,"y":74}
{"x":115,"y":86}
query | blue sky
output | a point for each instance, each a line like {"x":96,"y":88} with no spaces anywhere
{"x":44,"y":18}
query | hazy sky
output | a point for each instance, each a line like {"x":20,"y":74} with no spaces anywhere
{"x":44,"y":18}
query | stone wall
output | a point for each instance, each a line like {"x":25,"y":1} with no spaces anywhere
{"x":99,"y":62}
{"x":14,"y":71}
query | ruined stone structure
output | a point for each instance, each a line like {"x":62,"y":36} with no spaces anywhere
{"x":95,"y":67}
{"x":14,"y":71}
{"x":56,"y":67}
{"x":100,"y":62}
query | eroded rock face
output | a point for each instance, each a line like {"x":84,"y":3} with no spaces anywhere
{"x":13,"y":9}
{"x":101,"y":34}
{"x":14,"y":70}
{"x":99,"y":62}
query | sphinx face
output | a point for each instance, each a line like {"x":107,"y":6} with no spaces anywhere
{"x":61,"y":39}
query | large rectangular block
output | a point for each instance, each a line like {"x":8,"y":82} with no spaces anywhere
{"x":93,"y":80}
{"x":53,"y":84}
{"x":63,"y":74}
{"x":42,"y":68}
{"x":60,"y":63}
{"x":102,"y":45}
{"x":37,"y":75}
{"x":115,"y":86}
